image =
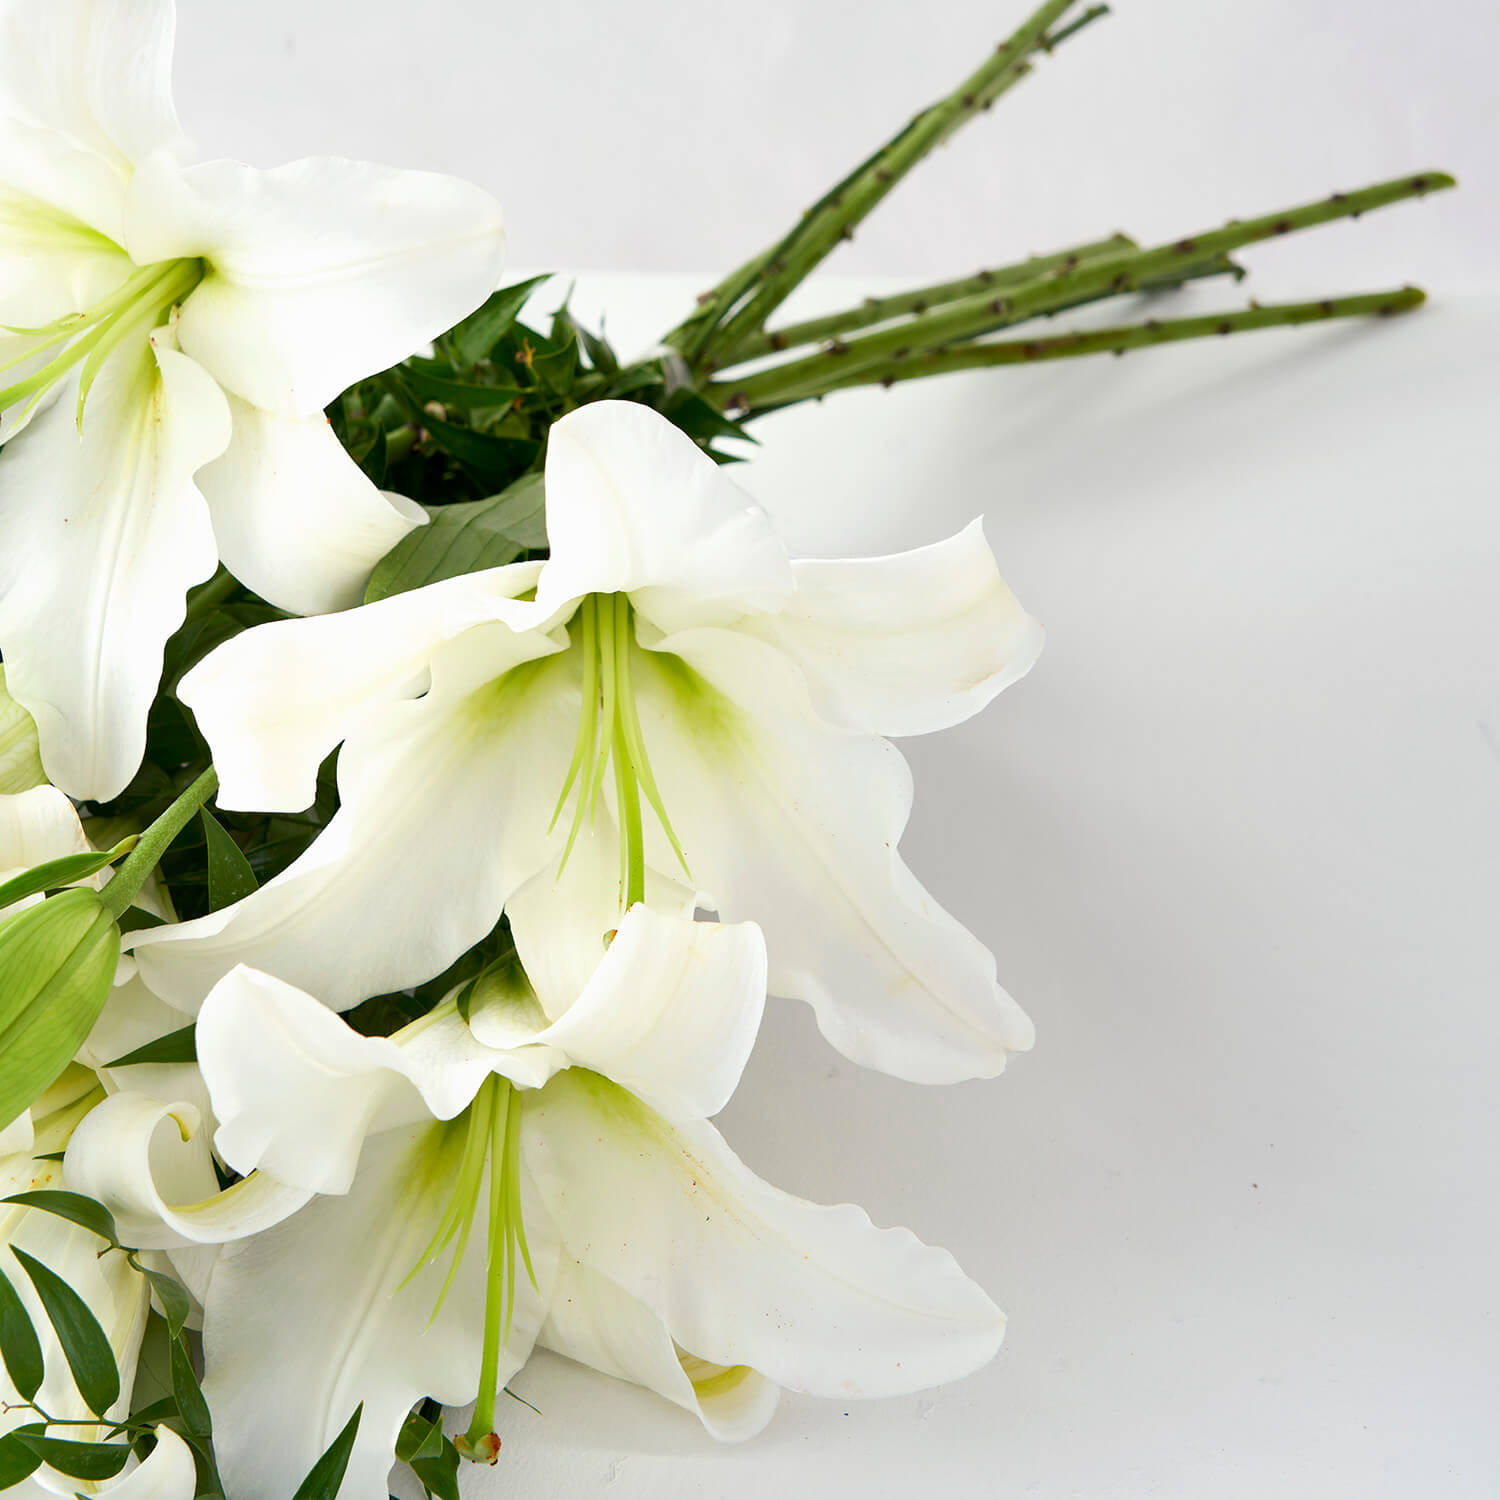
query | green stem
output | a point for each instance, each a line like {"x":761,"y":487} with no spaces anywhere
{"x":207,"y":597}
{"x":1127,"y":271}
{"x":834,"y":216}
{"x":912,"y":304}
{"x":1134,"y":336}
{"x":143,"y":859}
{"x":483,"y":1426}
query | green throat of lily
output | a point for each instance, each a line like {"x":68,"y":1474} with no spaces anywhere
{"x":141,"y":303}
{"x":609,"y":733}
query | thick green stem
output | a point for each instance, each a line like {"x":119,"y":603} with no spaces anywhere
{"x":915,"y":303}
{"x":144,"y":858}
{"x":712,"y":340}
{"x":207,"y":597}
{"x":1132,"y":336}
{"x":919,"y":299}
{"x":1128,"y":271}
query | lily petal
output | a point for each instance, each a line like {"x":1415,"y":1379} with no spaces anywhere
{"x":796,"y":823}
{"x":274,"y":701}
{"x":336,"y":1267}
{"x":166,"y":1474}
{"x":635,"y":506}
{"x":817,"y":1299}
{"x":58,"y":206}
{"x":599,"y":1324}
{"x":97,"y":72}
{"x":149,"y":1164}
{"x":671,"y":1011}
{"x":36,"y":826}
{"x":100,"y":538}
{"x":294,"y":516}
{"x":354,"y":916}
{"x":297,"y":1090}
{"x":909,"y":643}
{"x":320,"y":271}
{"x":561,"y":921}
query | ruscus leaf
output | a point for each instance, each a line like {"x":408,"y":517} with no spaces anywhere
{"x":325,"y":1476}
{"x":87,"y":1213}
{"x":78,"y":1460}
{"x":83,"y":1341}
{"x":19,"y":1345}
{"x":230,"y":877}
{"x":175,"y":1047}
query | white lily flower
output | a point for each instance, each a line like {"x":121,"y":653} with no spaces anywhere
{"x":114,"y":1291}
{"x":175,"y":330}
{"x":669,"y":640}
{"x":619,"y":1228}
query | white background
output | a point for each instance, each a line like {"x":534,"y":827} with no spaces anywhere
{"x":1236,"y":841}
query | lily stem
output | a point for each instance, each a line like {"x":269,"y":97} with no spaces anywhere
{"x":739,"y":306}
{"x":1126,"y":271}
{"x":1120,"y":340}
{"x":137,"y":866}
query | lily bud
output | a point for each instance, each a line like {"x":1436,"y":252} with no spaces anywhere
{"x":57,"y":963}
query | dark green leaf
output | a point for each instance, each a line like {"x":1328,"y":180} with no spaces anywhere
{"x":494,"y":461}
{"x":189,"y":1395}
{"x":57,"y":873}
{"x":175,"y":1047}
{"x":17,"y":1461}
{"x":85,"y":1212}
{"x":701,"y":420}
{"x":79,"y":1460}
{"x":598,"y":349}
{"x":469,"y":396}
{"x":174,"y":1300}
{"x":230,"y":877}
{"x":439,"y":1475}
{"x":465,"y":538}
{"x":19,"y":1345}
{"x":325,"y":1476}
{"x":484,"y":327}
{"x":135,"y":919}
{"x":419,"y":1438}
{"x":84,"y":1344}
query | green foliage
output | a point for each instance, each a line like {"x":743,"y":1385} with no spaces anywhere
{"x":179,"y":1046}
{"x":58,"y":960}
{"x":84,"y":1343}
{"x":229,"y":875}
{"x":325,"y":1476}
{"x":19,"y":1345}
{"x":57,"y":873}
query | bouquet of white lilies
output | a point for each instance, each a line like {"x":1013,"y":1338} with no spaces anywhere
{"x":419,"y":758}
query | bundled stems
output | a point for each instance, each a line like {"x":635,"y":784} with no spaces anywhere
{"x":978,"y":356}
{"x":1126,"y":270}
{"x":740,"y":305}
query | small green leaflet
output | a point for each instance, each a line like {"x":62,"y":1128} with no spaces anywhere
{"x":325,"y":1476}
{"x":85,"y":1212}
{"x":84,"y":1344}
{"x":188,"y":1394}
{"x":16,"y":1459}
{"x":79,"y":1460}
{"x":173,"y":1299}
{"x":175,"y":1047}
{"x":230,"y":877}
{"x":19,"y":1345}
{"x":57,"y":873}
{"x":487,"y":325}
{"x":465,"y":538}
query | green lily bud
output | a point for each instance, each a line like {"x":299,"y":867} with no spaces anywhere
{"x":57,"y":963}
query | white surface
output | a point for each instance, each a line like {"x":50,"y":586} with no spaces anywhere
{"x":680,"y":134}
{"x":1236,"y":841}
